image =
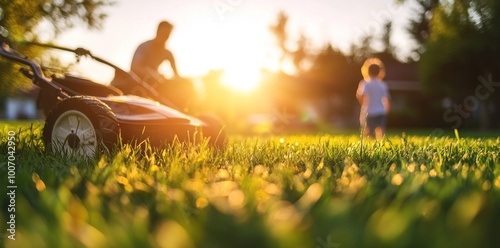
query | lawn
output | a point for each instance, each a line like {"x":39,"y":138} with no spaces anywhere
{"x":315,"y":190}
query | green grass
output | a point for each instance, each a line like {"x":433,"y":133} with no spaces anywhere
{"x":262,"y":191}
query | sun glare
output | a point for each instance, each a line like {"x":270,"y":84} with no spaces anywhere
{"x":242,"y":79}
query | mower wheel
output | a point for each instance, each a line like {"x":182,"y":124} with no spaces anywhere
{"x":80,"y":126}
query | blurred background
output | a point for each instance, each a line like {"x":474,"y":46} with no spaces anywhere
{"x":282,"y":66}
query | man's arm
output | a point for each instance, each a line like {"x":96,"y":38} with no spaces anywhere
{"x":170,"y":57}
{"x":141,"y":67}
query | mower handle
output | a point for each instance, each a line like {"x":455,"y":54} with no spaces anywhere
{"x":37,"y":74}
{"x":27,"y":72}
{"x":79,"y":52}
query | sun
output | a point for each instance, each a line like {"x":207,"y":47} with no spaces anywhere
{"x":235,"y":48}
{"x":241,"y":78}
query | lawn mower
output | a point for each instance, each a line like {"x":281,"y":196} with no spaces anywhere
{"x":83,"y":116}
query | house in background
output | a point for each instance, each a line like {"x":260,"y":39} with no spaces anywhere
{"x":410,"y":106}
{"x":22,"y":105}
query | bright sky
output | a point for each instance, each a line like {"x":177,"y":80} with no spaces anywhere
{"x":234,"y":34}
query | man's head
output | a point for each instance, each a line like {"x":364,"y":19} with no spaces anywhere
{"x":164,"y":30}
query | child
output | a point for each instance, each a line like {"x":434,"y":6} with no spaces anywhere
{"x":373,"y":96}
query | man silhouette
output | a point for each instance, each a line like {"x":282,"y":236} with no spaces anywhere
{"x":151,"y":54}
{"x":146,"y":62}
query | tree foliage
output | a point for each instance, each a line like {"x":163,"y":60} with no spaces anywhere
{"x":462,"y":50}
{"x":419,"y":23}
{"x":386,"y":38}
{"x":462,"y":46}
{"x":295,"y":56}
{"x":21,"y":20}
{"x":335,"y":70}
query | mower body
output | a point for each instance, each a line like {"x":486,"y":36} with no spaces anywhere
{"x":82,"y":114}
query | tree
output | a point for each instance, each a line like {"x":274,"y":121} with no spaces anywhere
{"x":332,"y":68}
{"x":388,"y":53}
{"x":20,"y":20}
{"x":279,"y":31}
{"x":295,"y":56}
{"x":419,"y":24}
{"x":462,"y":52}
{"x":360,"y":52}
{"x":386,"y":38}
{"x":300,"y":53}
